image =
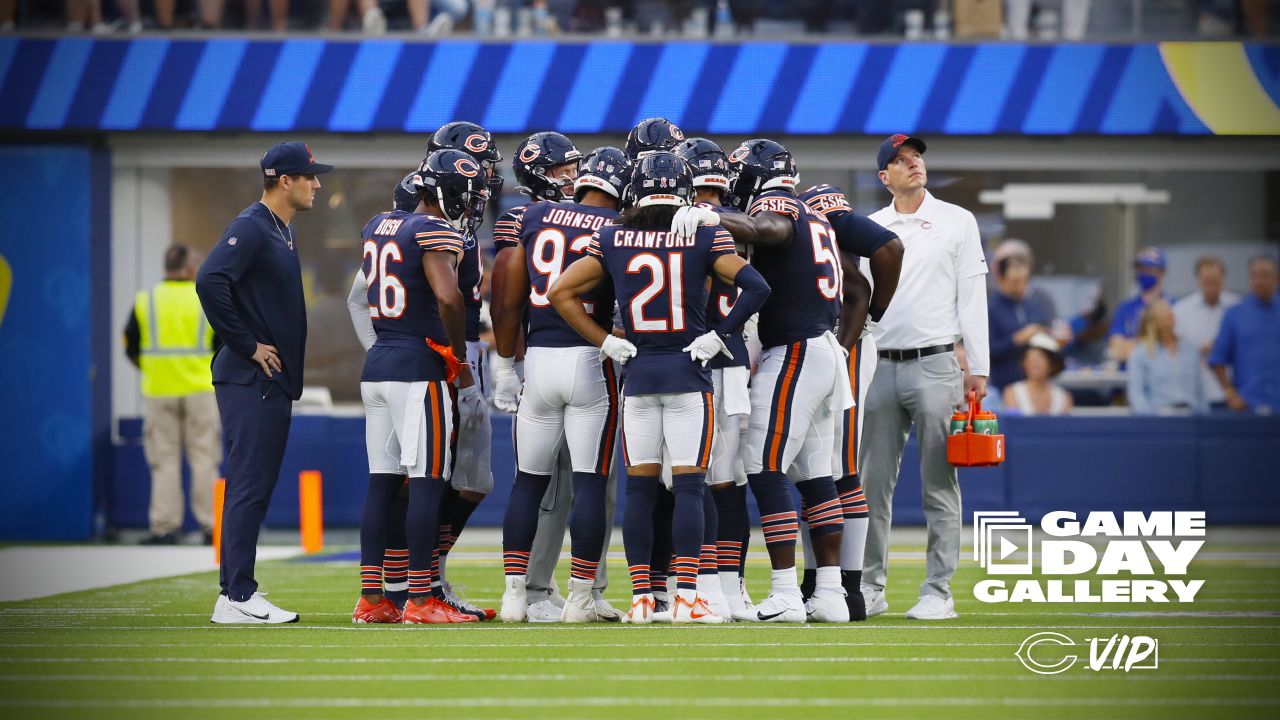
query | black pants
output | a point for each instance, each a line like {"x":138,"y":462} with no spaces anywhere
{"x":255,"y":428}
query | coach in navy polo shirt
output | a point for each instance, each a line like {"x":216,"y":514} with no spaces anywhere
{"x":251,"y":289}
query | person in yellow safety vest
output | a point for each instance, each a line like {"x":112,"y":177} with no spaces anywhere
{"x":170,"y":341}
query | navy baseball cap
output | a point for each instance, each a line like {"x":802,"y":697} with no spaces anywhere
{"x":1152,"y":257}
{"x":889,"y":148}
{"x":291,"y":158}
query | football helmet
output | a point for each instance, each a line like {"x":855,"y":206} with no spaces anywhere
{"x":405,"y":196}
{"x":535,"y":156}
{"x":707,"y":162}
{"x":660,"y":178}
{"x":476,"y":142}
{"x":759,"y":165}
{"x":606,"y":169}
{"x":650,"y":135}
{"x":455,"y":181}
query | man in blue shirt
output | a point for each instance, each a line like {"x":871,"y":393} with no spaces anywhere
{"x":1148,"y":268}
{"x":1014,"y":316}
{"x":1249,"y":341}
{"x":251,"y":289}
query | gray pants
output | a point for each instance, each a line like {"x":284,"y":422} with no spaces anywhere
{"x":922,"y":392}
{"x":553,"y":521}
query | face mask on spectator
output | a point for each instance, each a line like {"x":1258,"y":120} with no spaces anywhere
{"x":1146,"y":281}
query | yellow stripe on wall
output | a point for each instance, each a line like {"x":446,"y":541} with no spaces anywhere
{"x":1220,"y":86}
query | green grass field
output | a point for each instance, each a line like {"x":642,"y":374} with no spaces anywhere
{"x":147,"y":650}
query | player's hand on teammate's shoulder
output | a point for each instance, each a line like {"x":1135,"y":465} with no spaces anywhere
{"x":268,"y":358}
{"x":689,"y":218}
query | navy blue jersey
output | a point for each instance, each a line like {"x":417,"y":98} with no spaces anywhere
{"x":554,"y":236}
{"x":719,"y":302}
{"x":855,"y":234}
{"x":661,"y":285}
{"x":506,"y":230}
{"x":805,"y":273}
{"x":470,"y":272}
{"x":401,"y":302}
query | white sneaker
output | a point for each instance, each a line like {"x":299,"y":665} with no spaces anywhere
{"x":827,"y":605}
{"x":373,"y":22}
{"x":580,"y":607}
{"x":641,"y":612}
{"x":257,"y":610}
{"x":932,"y":607}
{"x":515,"y":602}
{"x":544,"y":611}
{"x":690,"y":607}
{"x":874,"y":600}
{"x":603,"y":609}
{"x":709,"y":590}
{"x":781,"y":607}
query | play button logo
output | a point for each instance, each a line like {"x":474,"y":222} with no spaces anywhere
{"x":1007,"y":548}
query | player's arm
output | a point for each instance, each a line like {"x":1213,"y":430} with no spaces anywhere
{"x":730,"y":268}
{"x":442,"y":275}
{"x":509,"y":291}
{"x":865,"y":237}
{"x":886,"y":266}
{"x":766,"y":229}
{"x":358,"y":308}
{"x":856,"y":300}
{"x":565,"y":294}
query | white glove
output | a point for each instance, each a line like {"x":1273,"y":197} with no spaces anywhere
{"x":868,"y":328}
{"x":707,"y":346}
{"x":689,"y":218}
{"x":506,"y":384}
{"x":751,"y":326}
{"x":470,"y":406}
{"x":617,"y":349}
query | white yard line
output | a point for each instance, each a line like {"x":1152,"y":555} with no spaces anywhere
{"x":33,"y":572}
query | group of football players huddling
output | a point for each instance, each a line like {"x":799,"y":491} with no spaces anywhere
{"x":690,"y":302}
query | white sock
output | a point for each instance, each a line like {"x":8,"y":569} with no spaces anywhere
{"x":829,"y":578}
{"x":852,"y":544}
{"x":784,"y":581}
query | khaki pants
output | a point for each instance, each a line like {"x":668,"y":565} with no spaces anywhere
{"x":173,"y":424}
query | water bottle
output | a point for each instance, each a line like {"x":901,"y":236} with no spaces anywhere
{"x":985,"y":423}
{"x":958,"y":421}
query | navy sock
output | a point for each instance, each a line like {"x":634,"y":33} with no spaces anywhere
{"x":708,"y":563}
{"x":422,"y":526}
{"x":852,"y":500}
{"x":520,"y":523}
{"x":822,"y":509}
{"x":395,"y":563}
{"x":455,"y":511}
{"x":586,"y":525}
{"x":374,"y":521}
{"x":731,"y":516}
{"x":687,"y":527}
{"x":746,"y":533}
{"x":660,"y":562}
{"x":637,"y":529}
{"x":777,"y":510}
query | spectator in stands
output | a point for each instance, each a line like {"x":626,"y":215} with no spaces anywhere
{"x":82,"y":14}
{"x":279,"y":10}
{"x":448,"y":14}
{"x":1164,"y":372}
{"x":1148,"y":268}
{"x":170,"y":341}
{"x":1249,"y":342}
{"x":1038,"y":394}
{"x":1014,"y":316}
{"x":1198,"y":316}
{"x":8,"y":10}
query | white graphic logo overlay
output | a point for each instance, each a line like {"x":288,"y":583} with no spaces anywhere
{"x":1044,"y":653}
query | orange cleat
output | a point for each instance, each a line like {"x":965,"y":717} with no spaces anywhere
{"x":384,"y":611}
{"x":434,"y":612}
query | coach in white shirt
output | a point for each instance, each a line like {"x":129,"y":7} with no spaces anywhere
{"x":1196,"y":318}
{"x":941,"y":298}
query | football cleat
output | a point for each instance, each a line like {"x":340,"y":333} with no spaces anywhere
{"x":710,"y":591}
{"x":433,"y":612}
{"x":604,"y":610}
{"x":458,"y":603}
{"x":641,"y":612}
{"x":694,"y":609}
{"x":933,"y":607}
{"x":781,"y":607}
{"x":874,"y":600}
{"x":254,"y":611}
{"x":544,"y":611}
{"x":384,"y":611}
{"x":515,"y":601}
{"x":827,"y":605}
{"x":581,"y":605}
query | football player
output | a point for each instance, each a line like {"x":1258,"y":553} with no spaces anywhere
{"x":857,"y":237}
{"x":419,"y":350}
{"x":660,"y":283}
{"x":802,"y":382}
{"x":570,"y":396}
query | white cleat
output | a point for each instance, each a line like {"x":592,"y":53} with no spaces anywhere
{"x":827,"y":605}
{"x":581,"y":605}
{"x":694,"y":610}
{"x":544,"y":611}
{"x":641,"y":612}
{"x":514,"y":600}
{"x":932,"y":607}
{"x":874,"y":600}
{"x":781,"y":607}
{"x":709,"y":590}
{"x":603,"y":609}
{"x":257,"y":610}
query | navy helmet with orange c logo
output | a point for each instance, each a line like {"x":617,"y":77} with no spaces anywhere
{"x":535,"y":156}
{"x":651,"y":135}
{"x":759,"y":165}
{"x":476,"y":142}
{"x":453,"y":180}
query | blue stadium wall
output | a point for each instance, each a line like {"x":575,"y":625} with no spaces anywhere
{"x":58,"y":469}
